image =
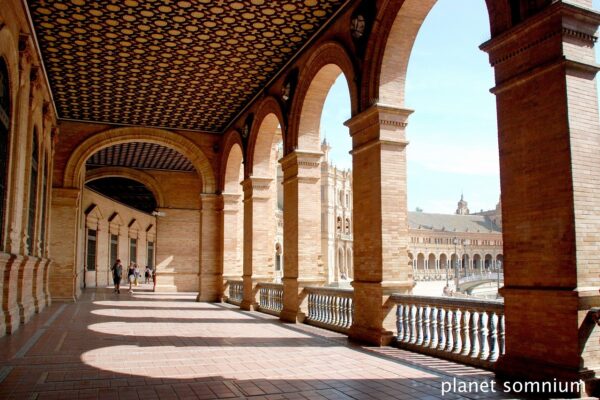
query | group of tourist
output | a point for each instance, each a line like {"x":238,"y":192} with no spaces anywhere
{"x":133,"y":275}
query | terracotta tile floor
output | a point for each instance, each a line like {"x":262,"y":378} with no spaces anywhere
{"x":167,"y":346}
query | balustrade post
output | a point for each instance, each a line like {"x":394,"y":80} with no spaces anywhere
{"x":434,"y":328}
{"x":449,"y":330}
{"x":427,"y":326}
{"x":465,"y":332}
{"x":474,"y":334}
{"x":483,"y":336}
{"x":419,"y":324}
{"x":492,"y":337}
{"x":457,"y":331}
{"x":441,"y":329}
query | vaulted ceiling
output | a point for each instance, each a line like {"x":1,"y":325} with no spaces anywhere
{"x":140,"y":155}
{"x":163,"y":63}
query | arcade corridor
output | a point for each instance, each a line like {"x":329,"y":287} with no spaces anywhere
{"x":147,"y":346}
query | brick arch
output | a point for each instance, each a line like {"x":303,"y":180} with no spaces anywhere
{"x":140,"y":176}
{"x":232,"y":144}
{"x":261,"y":161}
{"x":391,"y":41}
{"x":325,"y":64}
{"x":75,"y":165}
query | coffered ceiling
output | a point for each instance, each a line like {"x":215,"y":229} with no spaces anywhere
{"x":164,"y":63}
{"x":140,"y":155}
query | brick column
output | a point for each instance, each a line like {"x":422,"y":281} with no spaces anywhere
{"x":550,"y":170}
{"x":211,"y":275}
{"x":302,"y":264}
{"x":64,"y":230}
{"x":380,"y":220}
{"x":259,"y":226}
{"x":232,"y":245}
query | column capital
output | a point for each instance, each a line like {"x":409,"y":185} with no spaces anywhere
{"x":379,"y":114}
{"x":257,"y":187}
{"x":300,"y":164}
{"x":231,"y":200}
{"x":65,"y":196}
{"x":549,"y":39}
{"x":211,"y":201}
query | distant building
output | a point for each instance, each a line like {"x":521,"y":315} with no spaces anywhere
{"x":437,"y":241}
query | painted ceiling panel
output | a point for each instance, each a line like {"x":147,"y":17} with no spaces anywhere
{"x":162,"y":63}
{"x":142,"y":156}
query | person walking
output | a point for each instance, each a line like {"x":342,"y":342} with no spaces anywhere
{"x":117,"y":271}
{"x":137,"y":274}
{"x":147,"y":274}
{"x":131,"y":276}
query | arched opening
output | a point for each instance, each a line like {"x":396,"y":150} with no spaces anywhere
{"x":499,"y":263}
{"x":420,"y":262}
{"x":233,"y":215}
{"x":488,"y":262}
{"x":453,"y":131}
{"x":127,"y":191}
{"x":133,"y":205}
{"x":477,"y":264}
{"x":443,"y":261}
{"x":263,"y":205}
{"x":5,"y":118}
{"x":326,"y":108}
{"x":431,"y":265}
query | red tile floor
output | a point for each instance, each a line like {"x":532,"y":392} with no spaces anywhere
{"x":167,"y":346}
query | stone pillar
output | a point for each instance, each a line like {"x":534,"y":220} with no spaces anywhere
{"x":232,"y":240}
{"x":25,"y":295}
{"x":17,"y":203}
{"x":301,"y":231}
{"x":380,"y":220}
{"x":211,"y":261}
{"x":259,"y":226}
{"x":64,"y":230}
{"x":550,"y":166}
{"x":10,"y":305}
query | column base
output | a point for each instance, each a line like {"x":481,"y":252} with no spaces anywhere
{"x":292,"y":316}
{"x":561,"y":380}
{"x":375,"y":337}
{"x":10,"y":306}
{"x":25,"y":295}
{"x":210,"y":298}
{"x":249,"y":305}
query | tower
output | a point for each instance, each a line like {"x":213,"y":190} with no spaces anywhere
{"x":462,"y":207}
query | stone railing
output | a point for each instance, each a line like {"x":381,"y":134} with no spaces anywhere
{"x":465,"y":330}
{"x":236,"y":292}
{"x":330,"y":308}
{"x":481,"y":276}
{"x":432,"y":275}
{"x":270,"y":298}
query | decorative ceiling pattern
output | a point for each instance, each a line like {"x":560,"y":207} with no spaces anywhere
{"x":126,"y":191}
{"x":142,"y":156}
{"x":167,"y":63}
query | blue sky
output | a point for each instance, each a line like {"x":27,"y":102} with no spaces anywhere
{"x":453,"y":132}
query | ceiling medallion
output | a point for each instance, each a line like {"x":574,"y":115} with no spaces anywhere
{"x":357,"y":26}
